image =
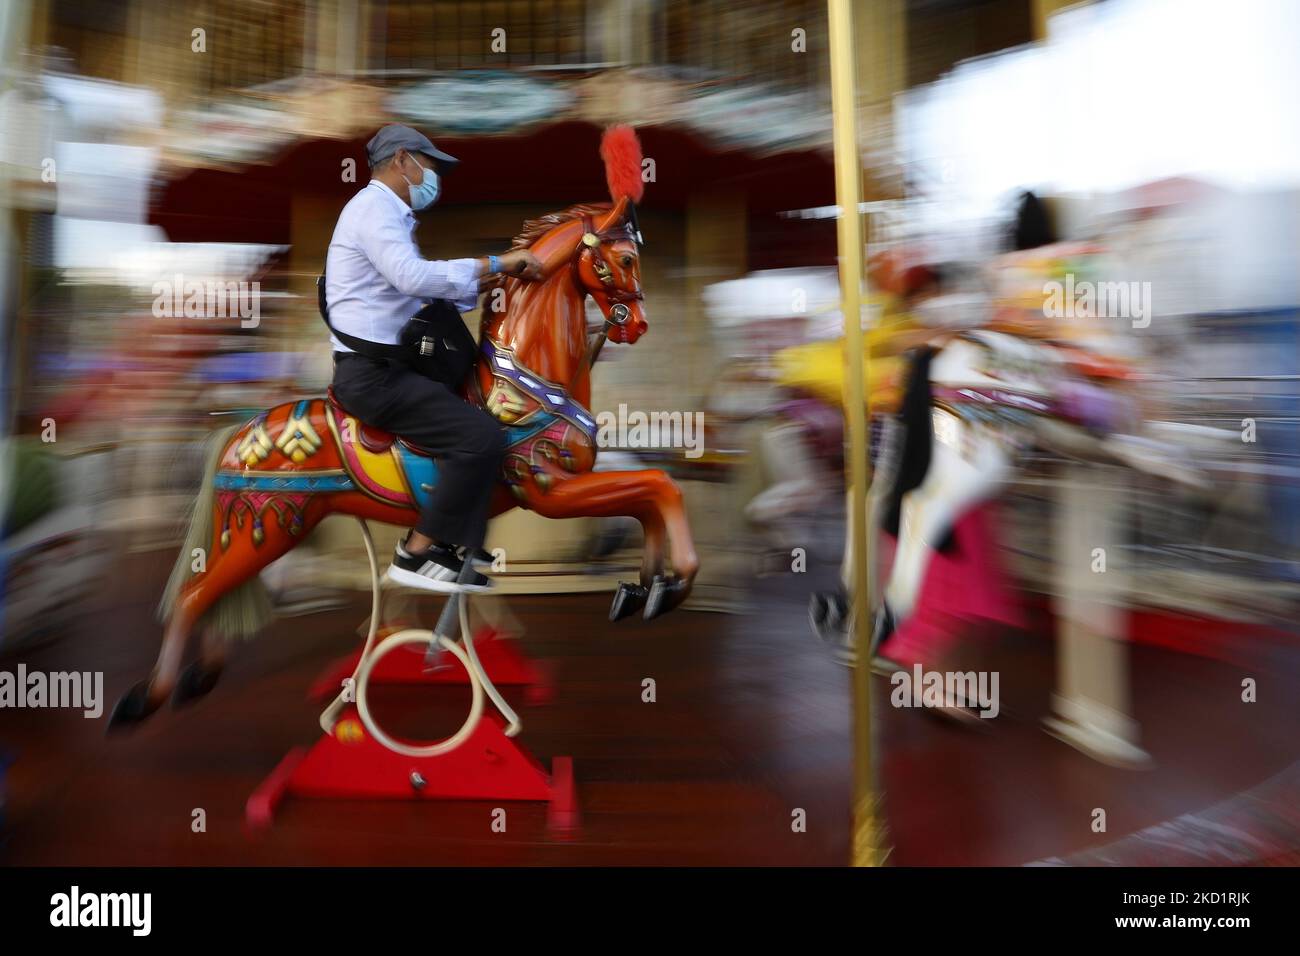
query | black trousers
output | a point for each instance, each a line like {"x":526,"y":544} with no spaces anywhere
{"x":467,"y":442}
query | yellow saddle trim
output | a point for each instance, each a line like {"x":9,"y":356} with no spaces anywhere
{"x":379,"y":474}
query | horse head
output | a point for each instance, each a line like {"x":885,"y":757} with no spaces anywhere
{"x":588,"y":250}
{"x":607,"y":267}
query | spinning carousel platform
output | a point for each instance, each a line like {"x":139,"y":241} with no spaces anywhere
{"x":750,"y":725}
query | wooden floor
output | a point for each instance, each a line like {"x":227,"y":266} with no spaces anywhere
{"x":751,"y":724}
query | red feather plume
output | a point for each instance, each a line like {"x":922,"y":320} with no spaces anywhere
{"x":621,"y":150}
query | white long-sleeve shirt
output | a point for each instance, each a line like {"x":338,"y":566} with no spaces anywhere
{"x":375,"y":277}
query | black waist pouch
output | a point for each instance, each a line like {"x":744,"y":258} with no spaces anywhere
{"x":435,"y":342}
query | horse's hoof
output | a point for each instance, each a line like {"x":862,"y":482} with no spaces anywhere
{"x":884,"y":627}
{"x":195,"y":681}
{"x":665,"y":594}
{"x":828,"y":615}
{"x":134,"y":706}
{"x":817,"y":610}
{"x":628,"y":599}
{"x":837,"y":611}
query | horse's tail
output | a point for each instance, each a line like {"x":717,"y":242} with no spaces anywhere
{"x":240,"y":612}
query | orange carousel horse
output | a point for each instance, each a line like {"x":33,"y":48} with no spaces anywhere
{"x":270,"y":481}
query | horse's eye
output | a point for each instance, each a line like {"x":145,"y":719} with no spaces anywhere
{"x":627,"y":262}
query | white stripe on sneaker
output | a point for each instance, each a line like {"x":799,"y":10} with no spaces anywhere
{"x":432,"y":582}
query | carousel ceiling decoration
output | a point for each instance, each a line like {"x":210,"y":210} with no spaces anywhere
{"x":482,"y":101}
{"x":257,"y":124}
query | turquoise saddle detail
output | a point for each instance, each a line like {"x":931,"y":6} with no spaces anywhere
{"x":421,"y":471}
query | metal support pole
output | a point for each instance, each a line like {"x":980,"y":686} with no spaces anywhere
{"x":869,"y":847}
{"x":449,"y":619}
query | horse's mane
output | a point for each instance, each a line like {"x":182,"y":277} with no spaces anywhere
{"x":534,"y":229}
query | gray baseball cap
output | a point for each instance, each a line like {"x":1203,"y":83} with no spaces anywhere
{"x":394,"y":137}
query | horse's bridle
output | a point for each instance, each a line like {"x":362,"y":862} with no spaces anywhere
{"x":618,"y":313}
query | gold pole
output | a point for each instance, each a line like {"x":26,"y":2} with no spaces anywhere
{"x":868,"y":829}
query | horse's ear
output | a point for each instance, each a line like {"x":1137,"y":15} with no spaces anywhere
{"x":614,"y":216}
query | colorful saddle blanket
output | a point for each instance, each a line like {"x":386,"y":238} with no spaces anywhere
{"x":315,"y":446}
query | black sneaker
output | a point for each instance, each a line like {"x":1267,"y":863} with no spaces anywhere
{"x":482,"y":559}
{"x":437,"y":569}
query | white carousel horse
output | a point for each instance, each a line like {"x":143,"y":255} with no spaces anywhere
{"x":971,"y":405}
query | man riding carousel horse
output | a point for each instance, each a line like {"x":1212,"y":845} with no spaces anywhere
{"x":422,"y":425}
{"x":376,"y":280}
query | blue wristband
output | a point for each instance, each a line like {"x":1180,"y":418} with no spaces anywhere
{"x":494,"y":264}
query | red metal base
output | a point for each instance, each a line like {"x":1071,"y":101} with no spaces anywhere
{"x":500,"y":656}
{"x":349,"y":764}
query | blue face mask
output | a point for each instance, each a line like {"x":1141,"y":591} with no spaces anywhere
{"x":424,"y":193}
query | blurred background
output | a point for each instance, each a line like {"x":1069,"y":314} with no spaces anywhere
{"x":1005,"y":145}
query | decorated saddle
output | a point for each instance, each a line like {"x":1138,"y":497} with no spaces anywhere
{"x":286,"y":455}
